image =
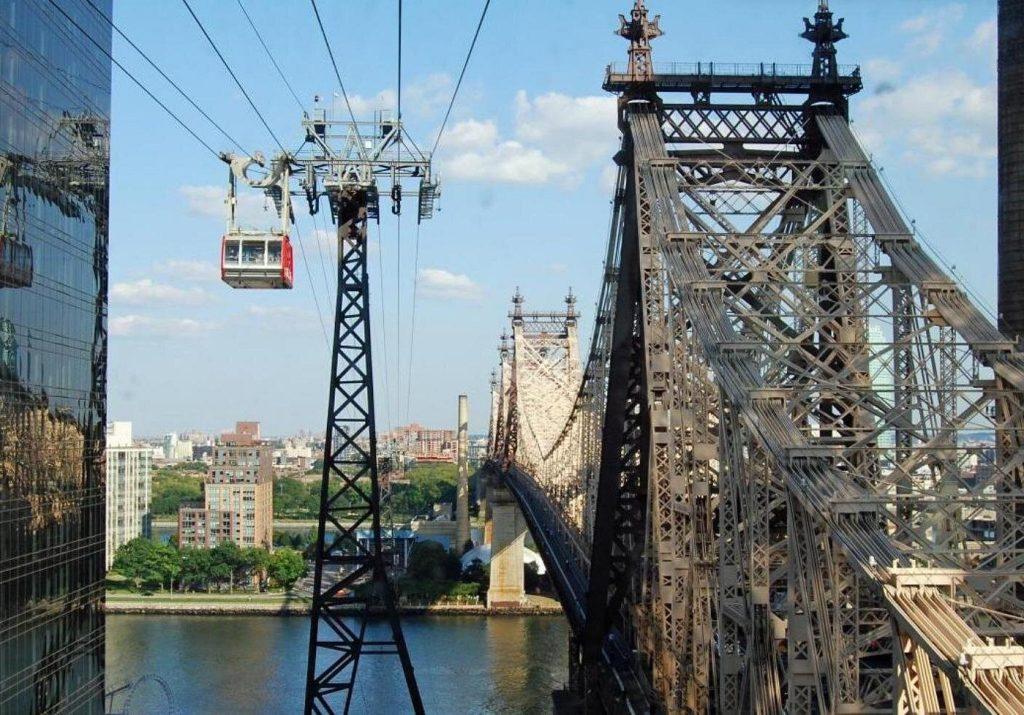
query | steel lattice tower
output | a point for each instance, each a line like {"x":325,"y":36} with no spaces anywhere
{"x":342,"y":161}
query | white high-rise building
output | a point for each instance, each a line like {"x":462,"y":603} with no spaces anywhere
{"x":128,"y":488}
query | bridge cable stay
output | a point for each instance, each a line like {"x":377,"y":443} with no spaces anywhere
{"x":760,"y":494}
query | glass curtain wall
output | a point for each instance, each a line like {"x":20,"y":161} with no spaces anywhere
{"x":54,"y":166}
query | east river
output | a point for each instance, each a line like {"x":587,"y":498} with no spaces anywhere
{"x":256,"y":664}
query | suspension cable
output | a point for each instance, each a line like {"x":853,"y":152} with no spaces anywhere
{"x":412,"y":322}
{"x":383,"y":329}
{"x":398,"y":318}
{"x":462,"y":74}
{"x":399,"y":99}
{"x":270,"y":54}
{"x":398,"y":240}
{"x":316,"y":224}
{"x":323,"y":268}
{"x":163,"y":74}
{"x":134,"y":79}
{"x":337,"y":74}
{"x":312,"y":287}
{"x":234,"y":76}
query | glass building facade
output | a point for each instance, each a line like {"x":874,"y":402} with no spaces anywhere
{"x":54,"y":166}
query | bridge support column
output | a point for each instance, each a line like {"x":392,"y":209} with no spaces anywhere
{"x":508,"y":536}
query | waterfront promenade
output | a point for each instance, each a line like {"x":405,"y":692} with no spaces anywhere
{"x":289,"y":604}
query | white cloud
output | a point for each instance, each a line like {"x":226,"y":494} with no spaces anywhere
{"x":423,"y":97}
{"x":481,"y":156}
{"x":577,"y":130}
{"x":983,"y":37}
{"x":556,"y":138}
{"x":439,"y":283}
{"x":284,"y":317}
{"x":362,"y":107}
{"x":609,"y":179}
{"x":945,"y":122}
{"x":191,"y":270}
{"x":429,"y":95}
{"x":252,"y":208}
{"x":928,"y":31}
{"x":147,"y":292}
{"x":983,"y":41}
{"x":880,"y":70}
{"x":149,"y":326}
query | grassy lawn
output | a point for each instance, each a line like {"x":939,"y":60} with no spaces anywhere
{"x":165,"y":597}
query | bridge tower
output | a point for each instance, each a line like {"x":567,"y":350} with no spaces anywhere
{"x":543,"y":361}
{"x":798,"y":444}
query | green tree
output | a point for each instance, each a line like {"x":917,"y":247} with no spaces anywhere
{"x":428,"y":484}
{"x":141,"y":561}
{"x":429,"y":561}
{"x":228,"y":563}
{"x":286,"y":566}
{"x":195,"y":569}
{"x":171,"y":488}
{"x":255,"y":562}
{"x":168,"y":560}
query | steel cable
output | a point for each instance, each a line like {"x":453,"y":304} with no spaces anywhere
{"x":234,"y":76}
{"x":270,"y":54}
{"x":134,"y":79}
{"x":163,"y":74}
{"x":462,"y":75}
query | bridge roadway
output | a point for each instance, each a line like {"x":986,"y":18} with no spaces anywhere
{"x":622,"y":687}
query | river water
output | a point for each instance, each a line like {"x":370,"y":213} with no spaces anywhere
{"x":256,"y":664}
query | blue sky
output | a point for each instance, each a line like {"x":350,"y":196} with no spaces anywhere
{"x":525,"y":166}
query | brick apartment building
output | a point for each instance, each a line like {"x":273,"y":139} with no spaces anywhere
{"x":421,"y":443}
{"x":238,"y":494}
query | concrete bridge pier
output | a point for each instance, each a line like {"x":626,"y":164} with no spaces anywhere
{"x":507,"y":538}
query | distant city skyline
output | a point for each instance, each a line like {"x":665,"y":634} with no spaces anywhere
{"x":526,"y":171}
{"x":314,"y":434}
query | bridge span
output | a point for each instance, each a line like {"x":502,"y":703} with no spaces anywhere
{"x":787,"y":476}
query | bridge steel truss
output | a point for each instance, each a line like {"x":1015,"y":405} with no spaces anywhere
{"x":769,"y":489}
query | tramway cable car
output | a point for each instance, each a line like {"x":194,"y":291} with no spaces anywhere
{"x":254,"y":259}
{"x":251,"y":258}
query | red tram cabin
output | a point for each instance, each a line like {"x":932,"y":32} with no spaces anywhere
{"x":250,"y":259}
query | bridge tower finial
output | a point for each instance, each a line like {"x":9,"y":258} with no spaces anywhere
{"x":503,"y":346}
{"x":824,"y":34}
{"x":517,"y":306}
{"x":570,"y":306}
{"x":640,"y":31}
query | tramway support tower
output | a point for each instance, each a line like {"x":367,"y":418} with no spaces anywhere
{"x":341,"y":163}
{"x":790,"y":479}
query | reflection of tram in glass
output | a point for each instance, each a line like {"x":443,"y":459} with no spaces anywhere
{"x":15,"y":262}
{"x":254,"y":259}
